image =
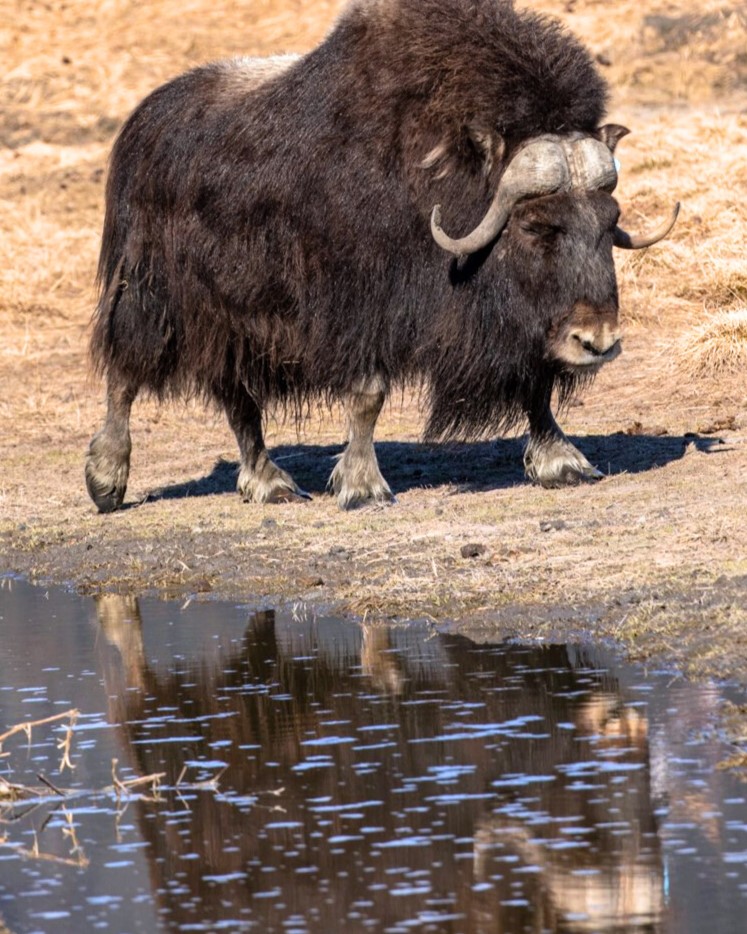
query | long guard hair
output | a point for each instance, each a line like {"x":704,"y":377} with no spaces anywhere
{"x":277,"y":236}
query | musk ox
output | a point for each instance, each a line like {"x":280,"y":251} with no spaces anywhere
{"x":284,"y":231}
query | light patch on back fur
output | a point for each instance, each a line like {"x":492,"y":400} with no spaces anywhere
{"x":434,"y":156}
{"x":254,"y":72}
{"x":439,"y":155}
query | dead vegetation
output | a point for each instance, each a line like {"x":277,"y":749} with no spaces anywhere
{"x":22,"y":801}
{"x":667,"y":423}
{"x":717,"y":347}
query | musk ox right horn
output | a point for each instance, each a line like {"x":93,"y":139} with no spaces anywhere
{"x":628,"y":241}
{"x":538,"y":169}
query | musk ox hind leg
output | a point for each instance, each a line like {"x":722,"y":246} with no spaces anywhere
{"x":356,"y":479}
{"x":108,"y":456}
{"x":549,"y":457}
{"x":260,"y":480}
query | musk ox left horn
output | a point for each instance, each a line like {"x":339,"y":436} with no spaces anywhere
{"x":545,"y":165}
{"x":628,"y":241}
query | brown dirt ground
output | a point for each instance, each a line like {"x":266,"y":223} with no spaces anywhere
{"x":654,"y":556}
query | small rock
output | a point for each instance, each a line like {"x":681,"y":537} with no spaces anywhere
{"x":725,"y":423}
{"x":553,"y":525}
{"x":472,"y":550}
{"x":638,"y":428}
{"x":339,"y":552}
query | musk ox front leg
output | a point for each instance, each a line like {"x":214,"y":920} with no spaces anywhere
{"x":356,"y":478}
{"x":549,"y":457}
{"x":108,"y":456}
{"x":260,"y":479}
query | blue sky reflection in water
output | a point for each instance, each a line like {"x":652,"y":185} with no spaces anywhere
{"x":368,"y":778}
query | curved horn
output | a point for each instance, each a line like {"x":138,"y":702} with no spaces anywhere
{"x":591,"y":163}
{"x":488,"y":228}
{"x":539,"y":169}
{"x":627,"y":241}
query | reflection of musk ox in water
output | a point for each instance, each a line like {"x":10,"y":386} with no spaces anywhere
{"x":601,"y":887}
{"x":273,"y":235}
{"x":335,"y":755}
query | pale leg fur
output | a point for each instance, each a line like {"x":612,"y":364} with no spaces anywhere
{"x":356,"y":478}
{"x":108,"y":456}
{"x":549,"y":457}
{"x":260,"y":479}
{"x":122,"y":626}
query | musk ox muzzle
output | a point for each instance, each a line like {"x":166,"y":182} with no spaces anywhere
{"x":546,"y":165}
{"x":588,"y":338}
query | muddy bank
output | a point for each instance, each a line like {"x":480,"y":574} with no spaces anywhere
{"x":653,"y":557}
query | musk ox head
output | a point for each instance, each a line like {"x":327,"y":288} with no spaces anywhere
{"x":559,"y":247}
{"x":553,"y":217}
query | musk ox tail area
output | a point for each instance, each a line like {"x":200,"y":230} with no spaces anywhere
{"x":157,"y":306}
{"x":143,"y":314}
{"x":134,"y":336}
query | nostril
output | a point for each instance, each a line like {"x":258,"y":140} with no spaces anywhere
{"x":588,"y":345}
{"x":598,"y":347}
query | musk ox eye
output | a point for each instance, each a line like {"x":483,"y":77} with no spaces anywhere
{"x":541,"y":230}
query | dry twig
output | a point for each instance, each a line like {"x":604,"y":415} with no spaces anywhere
{"x":28,"y":726}
{"x":127,"y":785}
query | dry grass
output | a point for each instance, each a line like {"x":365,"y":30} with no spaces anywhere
{"x":717,"y":347}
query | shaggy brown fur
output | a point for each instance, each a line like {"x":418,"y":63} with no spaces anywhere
{"x":270,"y":244}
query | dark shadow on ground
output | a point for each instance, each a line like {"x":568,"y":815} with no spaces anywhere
{"x":482,"y":465}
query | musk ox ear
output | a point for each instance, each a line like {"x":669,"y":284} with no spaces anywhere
{"x":485,"y":148}
{"x":489,"y":145}
{"x":610,"y":134}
